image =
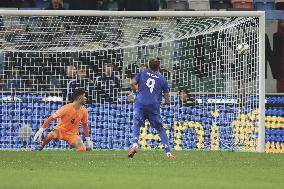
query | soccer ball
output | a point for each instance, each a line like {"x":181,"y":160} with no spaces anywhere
{"x":243,"y":48}
{"x":25,"y":132}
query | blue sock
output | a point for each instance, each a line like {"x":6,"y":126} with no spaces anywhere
{"x":164,"y":138}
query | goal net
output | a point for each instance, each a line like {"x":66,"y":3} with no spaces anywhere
{"x":216,"y":88}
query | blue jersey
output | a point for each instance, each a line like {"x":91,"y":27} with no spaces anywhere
{"x":151,"y":86}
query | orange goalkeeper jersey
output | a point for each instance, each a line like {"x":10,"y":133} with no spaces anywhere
{"x":70,"y":118}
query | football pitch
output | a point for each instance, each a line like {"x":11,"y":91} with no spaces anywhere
{"x":149,"y":169}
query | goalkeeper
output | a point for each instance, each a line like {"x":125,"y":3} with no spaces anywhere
{"x":67,"y":129}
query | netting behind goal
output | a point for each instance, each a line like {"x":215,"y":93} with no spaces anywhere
{"x":214,"y":88}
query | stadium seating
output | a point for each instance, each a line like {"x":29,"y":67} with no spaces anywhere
{"x":199,"y":4}
{"x":264,"y":5}
{"x":220,"y":4}
{"x":110,"y":124}
{"x":41,"y":4}
{"x":177,"y":4}
{"x":274,"y":15}
{"x":242,"y":4}
{"x":279,"y":5}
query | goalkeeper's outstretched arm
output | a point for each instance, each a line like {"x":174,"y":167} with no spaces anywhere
{"x":43,"y":127}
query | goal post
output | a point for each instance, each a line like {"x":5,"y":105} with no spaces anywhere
{"x":261,"y":138}
{"x":46,"y":54}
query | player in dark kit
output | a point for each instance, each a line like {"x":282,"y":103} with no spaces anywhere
{"x":149,"y":86}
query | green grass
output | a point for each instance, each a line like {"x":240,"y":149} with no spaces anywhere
{"x":148,"y":170}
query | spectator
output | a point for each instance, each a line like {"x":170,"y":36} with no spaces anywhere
{"x":71,"y":72}
{"x":107,"y":86}
{"x":82,"y":81}
{"x":185,"y":99}
{"x":15,"y":81}
{"x":143,"y":67}
{"x":138,"y":5}
{"x":27,"y":3}
{"x":88,"y":4}
{"x":71,"y":75}
{"x":133,"y":69}
{"x":9,"y":3}
{"x":102,"y":4}
{"x":56,"y":5}
{"x":55,"y":82}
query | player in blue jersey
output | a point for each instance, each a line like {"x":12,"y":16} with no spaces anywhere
{"x":149,"y":86}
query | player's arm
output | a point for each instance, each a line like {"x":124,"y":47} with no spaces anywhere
{"x":54,"y":116}
{"x":134,"y":85}
{"x":86,"y":130}
{"x":87,"y":136}
{"x":134,"y":88}
{"x":134,"y":82}
{"x":166,"y":98}
{"x":44,"y":126}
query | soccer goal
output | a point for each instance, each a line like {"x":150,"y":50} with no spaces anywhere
{"x":214,"y":62}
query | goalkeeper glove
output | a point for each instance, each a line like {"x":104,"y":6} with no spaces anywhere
{"x":89,"y":142}
{"x":38,"y":134}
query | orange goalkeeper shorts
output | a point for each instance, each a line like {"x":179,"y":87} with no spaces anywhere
{"x":69,"y":138}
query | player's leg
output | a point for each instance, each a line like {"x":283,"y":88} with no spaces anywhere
{"x":79,"y":145}
{"x":156,"y":122}
{"x":139,"y":120}
{"x":53,"y":135}
{"x":76,"y":142}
